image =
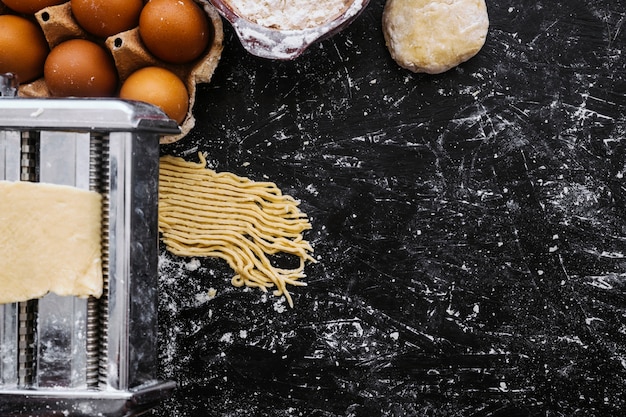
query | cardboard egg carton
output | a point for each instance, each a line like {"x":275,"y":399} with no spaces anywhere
{"x":129,"y":54}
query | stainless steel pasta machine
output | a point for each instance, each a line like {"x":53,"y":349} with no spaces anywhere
{"x":73,"y":356}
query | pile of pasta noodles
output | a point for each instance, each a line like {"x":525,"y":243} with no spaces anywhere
{"x":205,"y":213}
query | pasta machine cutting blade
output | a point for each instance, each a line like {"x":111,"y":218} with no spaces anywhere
{"x":71,"y":356}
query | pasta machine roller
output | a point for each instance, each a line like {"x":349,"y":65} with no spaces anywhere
{"x":71,"y":356}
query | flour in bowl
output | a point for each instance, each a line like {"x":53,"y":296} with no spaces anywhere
{"x":290,"y":14}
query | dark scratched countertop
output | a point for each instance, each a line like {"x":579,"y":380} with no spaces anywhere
{"x":469,"y":227}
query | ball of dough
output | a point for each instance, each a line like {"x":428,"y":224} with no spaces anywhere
{"x":433,"y":36}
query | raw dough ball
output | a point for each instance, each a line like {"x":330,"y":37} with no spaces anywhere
{"x":433,"y":36}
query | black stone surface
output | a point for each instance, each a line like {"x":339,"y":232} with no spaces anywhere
{"x":469,"y":227}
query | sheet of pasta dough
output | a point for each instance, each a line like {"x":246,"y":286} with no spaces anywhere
{"x":49,"y":241}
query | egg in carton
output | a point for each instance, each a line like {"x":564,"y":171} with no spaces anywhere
{"x":130,"y":54}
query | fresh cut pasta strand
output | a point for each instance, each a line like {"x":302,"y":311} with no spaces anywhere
{"x":203,"y":213}
{"x":270,"y":246}
{"x":209,"y":209}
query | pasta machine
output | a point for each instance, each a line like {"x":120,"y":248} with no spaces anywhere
{"x":71,"y":356}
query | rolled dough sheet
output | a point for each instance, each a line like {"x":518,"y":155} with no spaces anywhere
{"x":49,"y":241}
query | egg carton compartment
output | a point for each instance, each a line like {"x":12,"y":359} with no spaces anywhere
{"x":130,"y":54}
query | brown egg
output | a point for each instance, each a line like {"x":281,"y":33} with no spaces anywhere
{"x":160,"y":87}
{"x":176,"y":31}
{"x":23,"y":48}
{"x":30,"y":6}
{"x":80,"y":68}
{"x":107,"y":17}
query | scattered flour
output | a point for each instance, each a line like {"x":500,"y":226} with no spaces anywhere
{"x":193,"y":265}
